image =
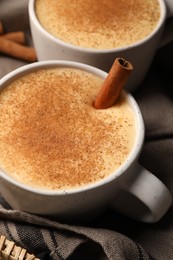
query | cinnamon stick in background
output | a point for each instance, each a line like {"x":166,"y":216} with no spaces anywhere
{"x":17,"y":50}
{"x":13,"y":44}
{"x":113,"y":84}
{"x":18,"y":36}
{"x":1,"y":27}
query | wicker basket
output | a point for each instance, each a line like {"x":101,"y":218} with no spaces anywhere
{"x":10,"y":251}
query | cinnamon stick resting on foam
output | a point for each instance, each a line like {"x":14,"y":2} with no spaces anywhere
{"x":113,"y":84}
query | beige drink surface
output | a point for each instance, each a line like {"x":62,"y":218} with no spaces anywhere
{"x":52,"y":137}
{"x":103,"y":24}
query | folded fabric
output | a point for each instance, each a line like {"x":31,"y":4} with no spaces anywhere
{"x":48,"y":239}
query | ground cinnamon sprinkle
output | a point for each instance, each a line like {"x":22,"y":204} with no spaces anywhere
{"x":99,"y":24}
{"x":63,"y":142}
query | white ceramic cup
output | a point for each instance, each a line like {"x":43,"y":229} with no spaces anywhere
{"x":132,"y":190}
{"x":140,"y":54}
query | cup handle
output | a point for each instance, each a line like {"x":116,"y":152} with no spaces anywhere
{"x":142,"y":196}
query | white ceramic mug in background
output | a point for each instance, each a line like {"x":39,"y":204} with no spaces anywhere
{"x":140,"y":54}
{"x":131,"y":189}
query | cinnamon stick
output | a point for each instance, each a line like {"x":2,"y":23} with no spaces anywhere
{"x":17,"y":50}
{"x":113,"y":84}
{"x":1,"y":27}
{"x":18,"y":37}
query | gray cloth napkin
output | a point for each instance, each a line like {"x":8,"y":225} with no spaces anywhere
{"x":49,"y":239}
{"x":111,"y":236}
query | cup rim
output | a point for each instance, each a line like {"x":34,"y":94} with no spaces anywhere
{"x":33,"y":18}
{"x":4,"y":81}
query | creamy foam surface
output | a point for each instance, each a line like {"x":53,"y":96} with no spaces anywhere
{"x":52,"y":137}
{"x":99,"y":24}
